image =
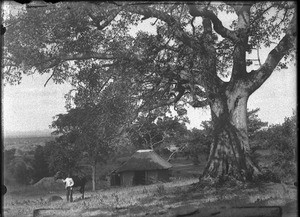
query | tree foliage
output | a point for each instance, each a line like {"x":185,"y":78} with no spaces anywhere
{"x":93,"y":126}
{"x":62,"y":155}
{"x":91,"y":129}
{"x":83,"y":41}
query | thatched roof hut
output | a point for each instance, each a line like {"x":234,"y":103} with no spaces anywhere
{"x":145,"y":160}
{"x":143,"y":167}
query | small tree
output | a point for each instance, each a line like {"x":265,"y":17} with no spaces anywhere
{"x":94,"y":125}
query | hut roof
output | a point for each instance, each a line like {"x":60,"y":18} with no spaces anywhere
{"x":144,"y":160}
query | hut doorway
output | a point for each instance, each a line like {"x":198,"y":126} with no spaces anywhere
{"x":115,"y":179}
{"x":139,"y":178}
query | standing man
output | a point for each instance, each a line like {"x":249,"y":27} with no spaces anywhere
{"x":69,"y":186}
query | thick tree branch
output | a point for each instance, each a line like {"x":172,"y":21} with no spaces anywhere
{"x":97,"y":20}
{"x":210,"y":57}
{"x":239,"y":53}
{"x":257,"y":77}
{"x":218,"y":26}
{"x":179,"y":33}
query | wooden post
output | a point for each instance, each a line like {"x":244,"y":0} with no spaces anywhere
{"x":94,"y":177}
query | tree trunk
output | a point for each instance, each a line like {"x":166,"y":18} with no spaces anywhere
{"x":94,"y":177}
{"x":229,"y":154}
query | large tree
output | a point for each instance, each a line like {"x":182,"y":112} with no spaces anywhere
{"x":191,"y":58}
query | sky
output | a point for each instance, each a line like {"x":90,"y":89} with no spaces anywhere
{"x":30,"y":106}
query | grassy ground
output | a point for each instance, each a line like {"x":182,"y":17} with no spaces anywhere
{"x":152,"y":200}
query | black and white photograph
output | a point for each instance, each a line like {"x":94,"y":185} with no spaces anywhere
{"x":149,"y":108}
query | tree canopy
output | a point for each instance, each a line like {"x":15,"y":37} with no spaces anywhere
{"x":89,"y":43}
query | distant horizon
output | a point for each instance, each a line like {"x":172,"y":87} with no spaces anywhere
{"x":28,"y":133}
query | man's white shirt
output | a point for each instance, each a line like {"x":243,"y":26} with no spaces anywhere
{"x":69,"y":182}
